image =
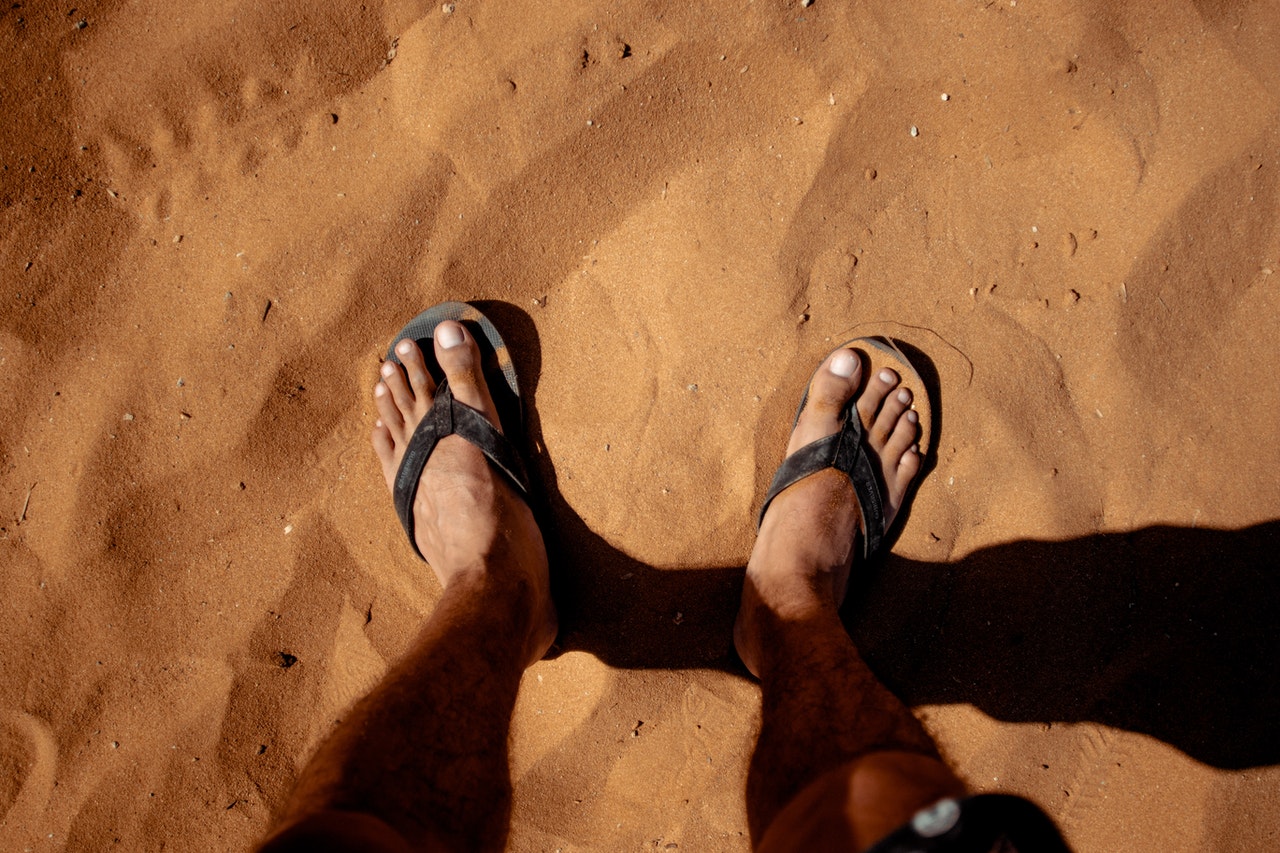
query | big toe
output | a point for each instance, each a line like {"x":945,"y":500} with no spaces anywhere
{"x":830,"y":390}
{"x":459,"y":358}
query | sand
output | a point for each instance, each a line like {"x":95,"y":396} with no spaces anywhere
{"x":216,"y":216}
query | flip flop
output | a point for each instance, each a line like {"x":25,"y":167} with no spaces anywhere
{"x":845,"y":451}
{"x":448,"y":416}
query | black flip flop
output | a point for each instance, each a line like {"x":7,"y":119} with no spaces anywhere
{"x":845,"y":451}
{"x":448,"y":416}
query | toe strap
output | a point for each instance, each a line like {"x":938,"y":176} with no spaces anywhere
{"x":448,"y":416}
{"x":845,"y":452}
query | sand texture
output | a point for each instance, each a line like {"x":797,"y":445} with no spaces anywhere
{"x":217,"y":215}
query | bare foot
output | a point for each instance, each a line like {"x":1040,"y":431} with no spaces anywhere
{"x":470,"y":524}
{"x":805,"y":546}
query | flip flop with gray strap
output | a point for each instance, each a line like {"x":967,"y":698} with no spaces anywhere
{"x":846,"y":450}
{"x":449,"y":416}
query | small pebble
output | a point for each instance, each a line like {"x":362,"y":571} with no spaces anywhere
{"x":915,"y":131}
{"x":288,"y":528}
{"x":945,"y":96}
{"x":181,"y":382}
{"x":448,"y":8}
{"x":128,"y":416}
{"x":590,"y":123}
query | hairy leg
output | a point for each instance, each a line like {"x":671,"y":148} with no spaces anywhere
{"x":421,"y":762}
{"x":839,"y":756}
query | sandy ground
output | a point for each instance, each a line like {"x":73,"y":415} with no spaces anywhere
{"x":215,"y":217}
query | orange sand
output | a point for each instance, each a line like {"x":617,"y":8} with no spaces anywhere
{"x":216,"y":215}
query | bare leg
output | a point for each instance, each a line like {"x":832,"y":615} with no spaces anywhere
{"x":840,"y":761}
{"x":421,"y":762}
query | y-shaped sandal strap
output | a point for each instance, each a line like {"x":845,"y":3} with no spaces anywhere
{"x":843,"y":451}
{"x":448,"y":416}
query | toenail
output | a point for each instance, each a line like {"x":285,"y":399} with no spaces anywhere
{"x":378,"y":423}
{"x":886,"y":375}
{"x":379,"y":390}
{"x":904,"y":396}
{"x":912,"y":417}
{"x":449,"y":336}
{"x":404,"y":347}
{"x":843,"y":364}
{"x":388,"y":369}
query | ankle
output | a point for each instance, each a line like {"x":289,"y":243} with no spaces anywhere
{"x":514,"y":599}
{"x":790,"y":586}
{"x":503,"y":589}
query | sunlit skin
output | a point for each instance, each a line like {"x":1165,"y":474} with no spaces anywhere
{"x":421,"y":762}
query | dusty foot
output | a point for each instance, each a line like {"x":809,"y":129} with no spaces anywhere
{"x":805,"y":546}
{"x":470,"y":524}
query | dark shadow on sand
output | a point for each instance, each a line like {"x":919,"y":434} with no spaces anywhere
{"x":1168,"y":631}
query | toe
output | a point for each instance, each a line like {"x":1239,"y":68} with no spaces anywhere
{"x":415,"y":368}
{"x":389,"y":414}
{"x":905,"y":431}
{"x":459,"y":358}
{"x":401,"y":394}
{"x":833,"y":385}
{"x":900,"y":461}
{"x":873,"y":396}
{"x":895,"y":403}
{"x":908,"y":467}
{"x":385,"y":448}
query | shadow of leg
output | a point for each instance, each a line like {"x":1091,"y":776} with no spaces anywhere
{"x":426,"y":752}
{"x":338,"y":832}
